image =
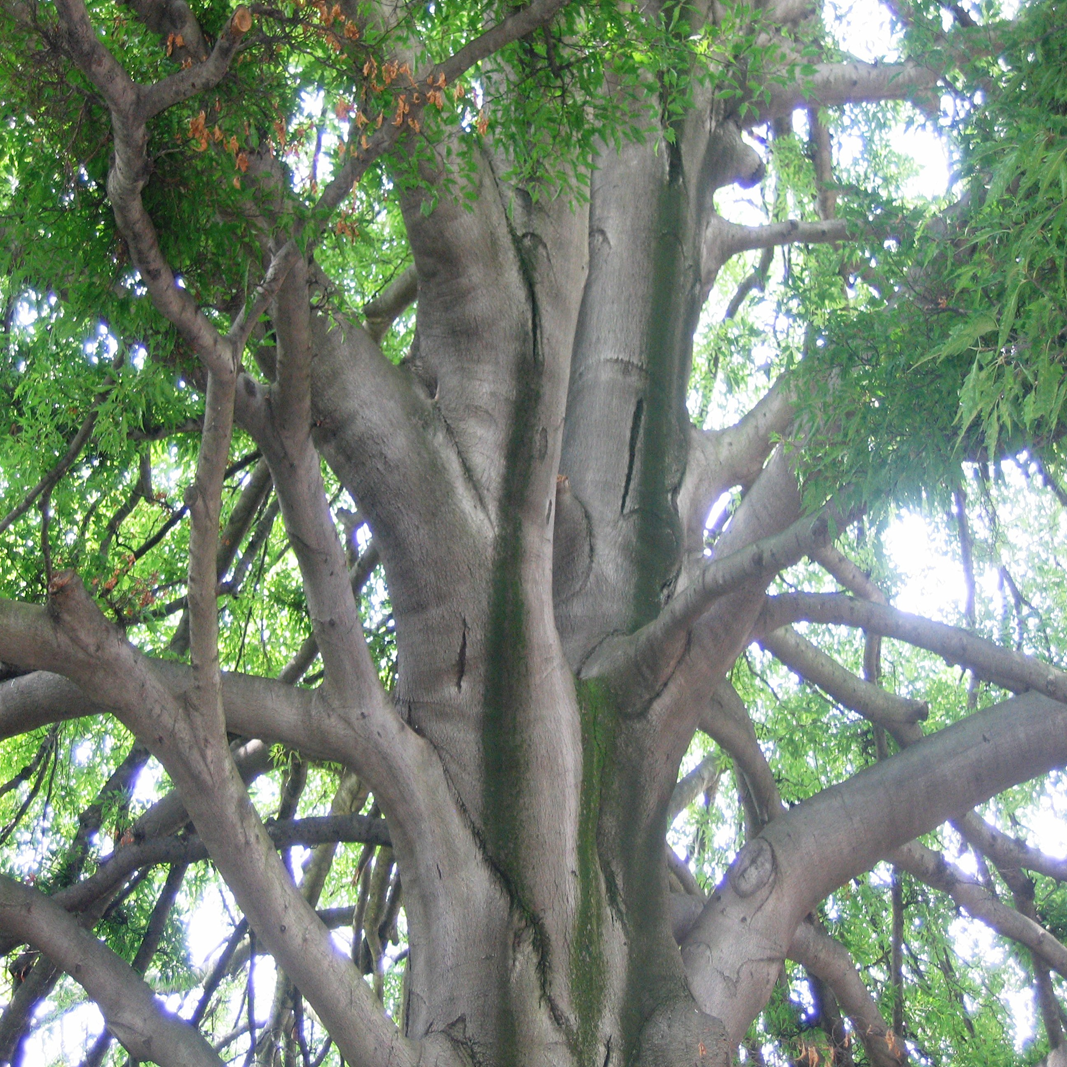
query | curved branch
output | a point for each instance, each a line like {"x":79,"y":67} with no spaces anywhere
{"x":733,"y":953}
{"x":99,"y":658}
{"x":721,"y":459}
{"x":391,"y":302}
{"x":145,"y":1028}
{"x":651,"y":654}
{"x":726,"y":721}
{"x":203,"y":75}
{"x":130,"y":107}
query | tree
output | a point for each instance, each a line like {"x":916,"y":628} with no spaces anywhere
{"x":495,"y":529}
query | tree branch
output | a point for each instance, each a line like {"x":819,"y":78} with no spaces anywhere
{"x":100,"y":659}
{"x":933,"y":869}
{"x":896,"y":714}
{"x":829,"y":960}
{"x":391,"y":302}
{"x":723,"y":239}
{"x":1011,"y":670}
{"x":1008,"y":852}
{"x":835,"y":84}
{"x":130,"y":107}
{"x":651,"y":654}
{"x":133,"y":1014}
{"x":733,"y":953}
{"x":726,"y":721}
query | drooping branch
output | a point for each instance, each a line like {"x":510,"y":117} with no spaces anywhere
{"x":145,"y":1028}
{"x":74,"y":450}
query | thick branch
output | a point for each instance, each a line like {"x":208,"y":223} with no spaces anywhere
{"x":829,"y":960}
{"x":102,"y":661}
{"x":835,"y":84}
{"x":1008,"y":852}
{"x":721,"y":459}
{"x":733,"y":953}
{"x":726,"y":721}
{"x":653,"y":651}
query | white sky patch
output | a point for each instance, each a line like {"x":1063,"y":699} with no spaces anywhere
{"x":933,"y":584}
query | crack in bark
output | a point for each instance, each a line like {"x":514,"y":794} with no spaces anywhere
{"x":635,"y":433}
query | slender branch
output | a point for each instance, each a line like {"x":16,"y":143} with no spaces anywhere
{"x":756,"y":279}
{"x":358,"y":158}
{"x":183,"y":851}
{"x":1011,"y":670}
{"x":393,"y":301}
{"x":822,"y":157}
{"x":933,"y":869}
{"x":145,"y":1028}
{"x":74,"y":450}
{"x":896,"y":714}
{"x":130,"y":107}
{"x":723,"y":239}
{"x":829,"y":960}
